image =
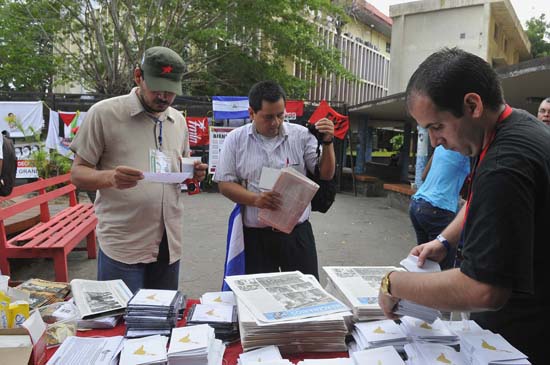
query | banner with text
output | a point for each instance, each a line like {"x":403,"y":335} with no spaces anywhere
{"x":217,"y":136}
{"x":198,"y":131}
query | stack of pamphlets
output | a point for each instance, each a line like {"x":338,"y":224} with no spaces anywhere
{"x":379,"y":334}
{"x":88,"y":351}
{"x":153,"y":311}
{"x":408,"y":308}
{"x":422,"y":331}
{"x":296,"y":193}
{"x":334,"y":361}
{"x":434,"y":353}
{"x":144,"y":351}
{"x":377,"y":356}
{"x":289,"y":310}
{"x":358,"y":287}
{"x":268,"y":354}
{"x":486,"y":347}
{"x":96,"y":299}
{"x":219,"y":297}
{"x":195,"y":345}
{"x":221,"y":317}
{"x":43,"y":292}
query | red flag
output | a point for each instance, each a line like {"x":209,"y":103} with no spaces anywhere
{"x":198,"y":131}
{"x":67,"y":117}
{"x":341,"y":122}
{"x":294,"y":108}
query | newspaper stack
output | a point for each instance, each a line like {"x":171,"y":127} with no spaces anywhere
{"x":195,"y":345}
{"x":358,"y":287}
{"x":144,"y":351}
{"x":433,"y":353}
{"x":289,"y":310}
{"x":422,"y":331}
{"x":379,"y":334}
{"x":96,"y":299}
{"x":377,"y":356}
{"x":335,"y":361}
{"x":408,"y":308}
{"x":88,"y":351}
{"x":153,"y":311}
{"x":296,"y":193}
{"x":486,"y":347}
{"x":221,"y":317}
{"x":43,"y":292}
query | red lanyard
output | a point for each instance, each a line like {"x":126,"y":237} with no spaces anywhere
{"x":505,"y":114}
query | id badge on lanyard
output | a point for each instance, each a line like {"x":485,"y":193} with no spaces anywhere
{"x":158,"y":161}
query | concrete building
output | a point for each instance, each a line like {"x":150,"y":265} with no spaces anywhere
{"x":487,"y":28}
{"x":364,"y":43}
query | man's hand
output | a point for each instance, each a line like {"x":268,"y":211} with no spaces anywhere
{"x":387,"y":303}
{"x":199,"y":172}
{"x":326,"y":127}
{"x":124,"y":177}
{"x":432,"y":250}
{"x":268,"y":200}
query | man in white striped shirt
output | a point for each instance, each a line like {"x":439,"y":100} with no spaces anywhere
{"x":269,"y":142}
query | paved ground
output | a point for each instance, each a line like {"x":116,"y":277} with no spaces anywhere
{"x":356,"y":231}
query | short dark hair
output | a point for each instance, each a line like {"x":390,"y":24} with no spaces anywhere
{"x":265,"y":90}
{"x":449,"y":74}
{"x":547,"y":100}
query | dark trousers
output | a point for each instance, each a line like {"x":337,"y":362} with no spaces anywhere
{"x":154,"y":275}
{"x":267,"y":250}
{"x":428,"y":222}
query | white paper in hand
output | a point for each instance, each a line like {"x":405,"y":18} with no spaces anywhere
{"x":411,"y":264}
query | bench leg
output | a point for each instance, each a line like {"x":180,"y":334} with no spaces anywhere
{"x":4,"y":265}
{"x":60,"y":266}
{"x":91,"y":245}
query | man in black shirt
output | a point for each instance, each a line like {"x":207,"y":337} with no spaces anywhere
{"x":505,"y":225}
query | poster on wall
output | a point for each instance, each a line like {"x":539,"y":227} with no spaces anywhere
{"x":217,"y":136}
{"x":21,"y":118}
{"x":25,"y":168}
{"x":198,"y":131}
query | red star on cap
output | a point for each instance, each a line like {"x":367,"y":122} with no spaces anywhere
{"x":166,"y":70}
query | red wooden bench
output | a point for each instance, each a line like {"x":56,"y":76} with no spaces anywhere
{"x":54,"y":237}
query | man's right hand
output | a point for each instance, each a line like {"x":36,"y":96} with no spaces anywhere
{"x":432,"y":250}
{"x":268,"y":200}
{"x":124,"y":177}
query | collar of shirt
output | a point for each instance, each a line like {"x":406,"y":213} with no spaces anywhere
{"x":283,"y":130}
{"x":136,"y":108}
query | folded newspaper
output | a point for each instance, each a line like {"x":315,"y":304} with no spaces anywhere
{"x":96,"y":299}
{"x":283,"y":296}
{"x":296,"y":193}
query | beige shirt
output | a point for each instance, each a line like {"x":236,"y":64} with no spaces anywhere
{"x":131,"y":222}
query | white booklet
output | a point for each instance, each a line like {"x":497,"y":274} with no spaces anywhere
{"x":411,"y":264}
{"x":190,"y":339}
{"x":100,"y":298}
{"x":296,"y":193}
{"x":87,"y":351}
{"x":381,"y":355}
{"x":145,"y":350}
{"x":212,"y":313}
{"x":220,"y":297}
{"x":261,"y":355}
{"x":153,"y":297}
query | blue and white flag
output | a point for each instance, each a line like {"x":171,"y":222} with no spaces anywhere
{"x":234,"y":257}
{"x":230,"y":107}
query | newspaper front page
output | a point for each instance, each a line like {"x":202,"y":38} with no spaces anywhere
{"x":100,"y":298}
{"x":278,"y":297}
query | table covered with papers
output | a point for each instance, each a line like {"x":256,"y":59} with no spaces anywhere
{"x":232,"y":351}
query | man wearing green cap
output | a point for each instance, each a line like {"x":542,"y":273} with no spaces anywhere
{"x":140,"y":224}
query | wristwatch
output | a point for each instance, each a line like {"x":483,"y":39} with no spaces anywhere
{"x":444,"y":242}
{"x":326,"y":143}
{"x":385,"y":285}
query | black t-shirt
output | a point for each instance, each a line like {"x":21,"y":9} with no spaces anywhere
{"x":507,"y":231}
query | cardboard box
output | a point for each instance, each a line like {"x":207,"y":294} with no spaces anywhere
{"x":35,"y":328}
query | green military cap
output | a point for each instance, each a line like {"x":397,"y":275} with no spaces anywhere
{"x":162,"y":69}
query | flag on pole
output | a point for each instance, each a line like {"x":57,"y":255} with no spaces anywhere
{"x":234,"y":257}
{"x":230,"y":107}
{"x":341,"y":122}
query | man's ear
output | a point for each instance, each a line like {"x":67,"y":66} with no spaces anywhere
{"x":251,"y":113}
{"x":138,"y":75}
{"x":473,"y":105}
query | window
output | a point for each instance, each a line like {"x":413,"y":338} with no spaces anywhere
{"x":388,"y":47}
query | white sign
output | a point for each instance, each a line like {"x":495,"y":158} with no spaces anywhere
{"x":217,"y":136}
{"x":17,"y":115}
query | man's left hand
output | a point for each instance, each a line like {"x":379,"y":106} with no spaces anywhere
{"x":387,"y":303}
{"x":326,"y":127}
{"x":200,"y":170}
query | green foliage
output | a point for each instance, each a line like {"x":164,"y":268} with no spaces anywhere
{"x":228,"y":44}
{"x":538,"y":31}
{"x":397,"y":141}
